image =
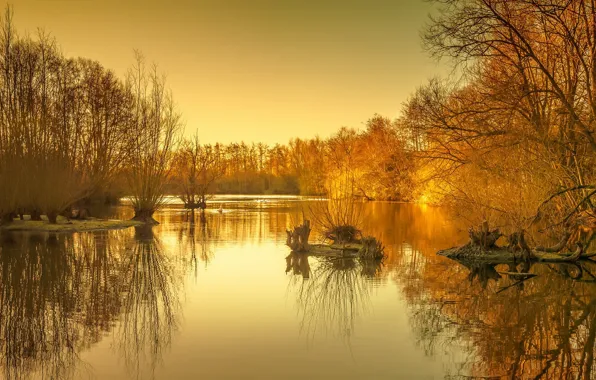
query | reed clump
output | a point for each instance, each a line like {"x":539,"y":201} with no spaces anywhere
{"x":372,"y":249}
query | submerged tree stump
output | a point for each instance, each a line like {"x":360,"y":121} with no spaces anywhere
{"x":297,"y":239}
{"x":483,"y":237}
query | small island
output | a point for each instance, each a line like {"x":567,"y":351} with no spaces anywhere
{"x":346,"y":243}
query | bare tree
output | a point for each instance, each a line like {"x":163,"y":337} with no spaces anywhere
{"x":155,"y":124}
{"x":197,"y":167}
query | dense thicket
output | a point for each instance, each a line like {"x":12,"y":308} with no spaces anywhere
{"x":62,"y":125}
{"x":68,"y":126}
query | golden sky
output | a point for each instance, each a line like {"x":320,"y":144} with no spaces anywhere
{"x":255,"y":70}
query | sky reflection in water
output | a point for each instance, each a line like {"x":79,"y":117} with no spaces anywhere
{"x":221,"y":298}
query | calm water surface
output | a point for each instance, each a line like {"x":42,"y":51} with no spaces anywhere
{"x":221,"y":298}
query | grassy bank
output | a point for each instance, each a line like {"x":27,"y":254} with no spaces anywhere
{"x":64,"y":225}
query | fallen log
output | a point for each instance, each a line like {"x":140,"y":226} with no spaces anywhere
{"x":367,"y":249}
{"x":504,"y":255}
{"x":558,"y":247}
{"x":482,"y":247}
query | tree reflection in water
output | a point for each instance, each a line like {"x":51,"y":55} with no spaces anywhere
{"x":298,"y":264}
{"x":61,"y":293}
{"x":56,"y":299}
{"x":197,"y":239}
{"x":507,"y":326}
{"x":150,"y":302}
{"x":331,"y":295}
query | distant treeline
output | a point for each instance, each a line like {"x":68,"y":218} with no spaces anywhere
{"x":376,"y":158}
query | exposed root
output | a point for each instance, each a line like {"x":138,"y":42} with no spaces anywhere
{"x":561,"y":258}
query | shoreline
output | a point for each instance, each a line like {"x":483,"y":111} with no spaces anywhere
{"x":69,"y":226}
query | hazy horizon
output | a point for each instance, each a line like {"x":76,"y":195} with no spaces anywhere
{"x":264,"y":71}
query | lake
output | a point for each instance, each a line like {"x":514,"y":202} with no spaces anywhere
{"x":220,"y":297}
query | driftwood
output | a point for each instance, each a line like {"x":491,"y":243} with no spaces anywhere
{"x":561,"y":258}
{"x":334,"y":250}
{"x":367,"y":249}
{"x":297,"y":239}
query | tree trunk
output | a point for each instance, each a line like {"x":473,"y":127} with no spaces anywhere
{"x":483,"y":237}
{"x":297,"y":239}
{"x":145,"y":216}
{"x":6,"y":218}
{"x":52,"y":217}
{"x":35,"y":215}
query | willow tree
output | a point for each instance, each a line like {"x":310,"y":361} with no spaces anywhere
{"x":154,"y":125}
{"x":63,"y":126}
{"x":40,"y":133}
